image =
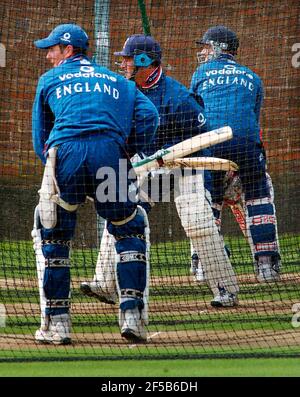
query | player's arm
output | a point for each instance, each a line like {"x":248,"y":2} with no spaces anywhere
{"x":189,"y":120}
{"x":259,"y":99}
{"x":144,"y":124}
{"x":195,"y":81}
{"x":190,"y":116}
{"x":42,"y":121}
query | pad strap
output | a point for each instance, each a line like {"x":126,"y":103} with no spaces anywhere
{"x":140,"y":236}
{"x":57,"y":262}
{"x":260,"y":201}
{"x":132,"y":256}
{"x":58,"y":303}
{"x":57,"y":242}
{"x":132,"y":293}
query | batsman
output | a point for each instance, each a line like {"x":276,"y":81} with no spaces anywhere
{"x":83,"y":114}
{"x":233,"y":96}
{"x":181,"y":117}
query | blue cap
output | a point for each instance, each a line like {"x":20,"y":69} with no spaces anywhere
{"x":65,"y":34}
{"x":139,"y":43}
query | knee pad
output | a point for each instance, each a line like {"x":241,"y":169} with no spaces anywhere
{"x":196,"y":215}
{"x":133,"y":248}
{"x":198,"y":221}
{"x":53,"y":273}
{"x":193,"y":207}
{"x":106,"y":263}
{"x":56,"y":285}
{"x":56,"y":281}
{"x":261,"y":223}
{"x":56,"y":242}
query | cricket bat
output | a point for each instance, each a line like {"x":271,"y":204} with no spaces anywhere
{"x":183,"y":149}
{"x":238,"y":211}
{"x":234,"y":199}
{"x":206,"y":163}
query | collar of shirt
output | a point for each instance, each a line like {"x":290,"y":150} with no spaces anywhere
{"x":76,"y":57}
{"x":226,"y":56}
{"x":152,"y":79}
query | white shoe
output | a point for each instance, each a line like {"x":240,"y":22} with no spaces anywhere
{"x":94,"y":289}
{"x":132,"y":326}
{"x":43,"y":336}
{"x":224,"y":299}
{"x":267,"y":269}
{"x":58,"y":332}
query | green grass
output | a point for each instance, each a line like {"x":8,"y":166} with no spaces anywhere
{"x":187,"y":293}
{"x":133,"y":357}
{"x":279,"y":367}
{"x":167,"y":259}
{"x":98,"y":324}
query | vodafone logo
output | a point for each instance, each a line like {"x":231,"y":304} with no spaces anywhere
{"x":201,"y":119}
{"x":87,"y":69}
{"x":66,"y":37}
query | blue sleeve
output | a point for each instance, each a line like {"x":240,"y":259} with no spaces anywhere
{"x":42,"y":121}
{"x":145,"y":123}
{"x":190,"y":118}
{"x":192,"y":86}
{"x":259,"y":100}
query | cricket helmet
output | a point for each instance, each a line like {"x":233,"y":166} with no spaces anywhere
{"x":222,"y":38}
{"x":144,"y":49}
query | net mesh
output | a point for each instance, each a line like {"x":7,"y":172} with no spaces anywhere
{"x":182,"y":321}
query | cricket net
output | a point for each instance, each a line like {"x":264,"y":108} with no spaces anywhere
{"x":182,"y":321}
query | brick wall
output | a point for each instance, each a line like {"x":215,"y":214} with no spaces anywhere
{"x":267,"y":31}
{"x":21,"y":23}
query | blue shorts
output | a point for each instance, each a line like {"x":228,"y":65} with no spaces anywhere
{"x":80,"y":173}
{"x":251,"y":159}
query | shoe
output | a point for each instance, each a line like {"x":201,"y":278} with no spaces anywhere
{"x":132,"y":327}
{"x":60,"y":326}
{"x":43,"y":336}
{"x":58,"y":332}
{"x":267,"y":269}
{"x":196,"y":268}
{"x":94,"y":290}
{"x":224,"y":299}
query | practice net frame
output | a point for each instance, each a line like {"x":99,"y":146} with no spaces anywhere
{"x":182,"y":322}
